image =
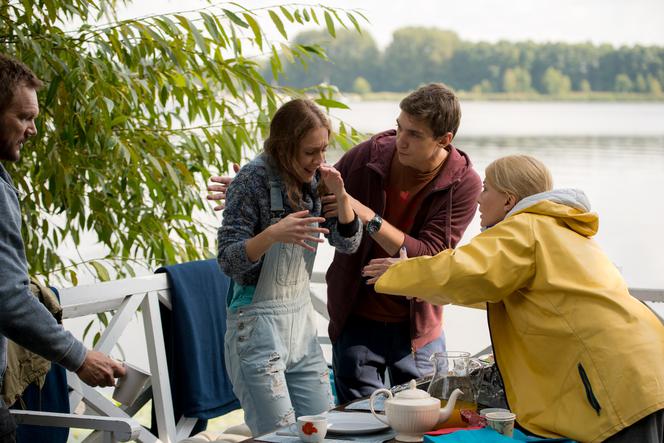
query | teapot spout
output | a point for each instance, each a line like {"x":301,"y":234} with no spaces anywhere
{"x":449,"y":407}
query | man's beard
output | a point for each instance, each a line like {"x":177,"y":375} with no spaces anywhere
{"x":9,"y":151}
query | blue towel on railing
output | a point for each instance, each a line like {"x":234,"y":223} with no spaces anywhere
{"x":487,"y":435}
{"x":194,"y":334}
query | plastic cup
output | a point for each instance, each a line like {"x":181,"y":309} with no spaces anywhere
{"x":502,"y":422}
{"x":311,"y":428}
{"x":129,"y":387}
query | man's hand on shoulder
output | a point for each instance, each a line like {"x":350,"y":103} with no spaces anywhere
{"x":219,"y":188}
{"x":100,"y":370}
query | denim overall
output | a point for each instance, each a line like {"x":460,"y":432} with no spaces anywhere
{"x":272,"y":353}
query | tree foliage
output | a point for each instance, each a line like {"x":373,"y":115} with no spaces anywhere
{"x":420,"y":55}
{"x":555,"y":82}
{"x":135,"y":111}
{"x":516,"y":80}
{"x":414,"y":55}
{"x":350,"y":55}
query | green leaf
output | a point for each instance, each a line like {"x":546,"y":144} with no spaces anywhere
{"x":101,"y":271}
{"x":235,"y":18}
{"x":329,"y":103}
{"x":211,"y":26}
{"x":258,"y":33}
{"x":287,"y":52}
{"x":103,"y":318}
{"x":198,"y":37}
{"x":73,"y":277}
{"x":313,"y":16}
{"x":286,"y":13}
{"x":117,"y":121}
{"x":330,"y":24}
{"x":278,"y":23}
{"x":179,"y":80}
{"x":275,"y":63}
{"x":87,"y":329}
{"x":52,"y":90}
{"x":354,"y":21}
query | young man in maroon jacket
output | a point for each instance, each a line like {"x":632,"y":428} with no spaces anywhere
{"x":411,"y":189}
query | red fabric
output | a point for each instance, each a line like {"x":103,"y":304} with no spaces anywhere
{"x":448,"y":206}
{"x":445,"y":431}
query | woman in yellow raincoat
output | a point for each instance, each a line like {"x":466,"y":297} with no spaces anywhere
{"x":580,"y":357}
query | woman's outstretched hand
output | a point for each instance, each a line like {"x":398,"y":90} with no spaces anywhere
{"x":378,"y":266}
{"x":297,"y":228}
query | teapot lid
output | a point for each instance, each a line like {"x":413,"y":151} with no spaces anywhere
{"x":412,"y":393}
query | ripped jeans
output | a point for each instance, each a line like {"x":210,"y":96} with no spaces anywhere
{"x":275,"y":363}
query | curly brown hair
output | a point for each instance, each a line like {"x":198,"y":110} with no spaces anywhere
{"x":289,"y":125}
{"x":12,"y":75}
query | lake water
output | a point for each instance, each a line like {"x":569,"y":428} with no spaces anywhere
{"x":613,"y":151}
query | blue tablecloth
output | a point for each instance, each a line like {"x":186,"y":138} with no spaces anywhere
{"x":487,"y":435}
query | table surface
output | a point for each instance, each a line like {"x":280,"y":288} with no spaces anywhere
{"x":341,"y":408}
{"x":421,"y":384}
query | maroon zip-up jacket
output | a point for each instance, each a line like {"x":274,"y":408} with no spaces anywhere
{"x":448,"y":207}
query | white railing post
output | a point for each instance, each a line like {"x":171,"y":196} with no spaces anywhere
{"x":161,"y":387}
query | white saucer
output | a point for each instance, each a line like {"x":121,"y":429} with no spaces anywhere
{"x":353,"y":423}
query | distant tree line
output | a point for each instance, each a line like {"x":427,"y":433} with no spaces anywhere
{"x":420,"y":55}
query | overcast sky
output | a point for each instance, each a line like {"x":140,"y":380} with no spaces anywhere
{"x":619,"y":22}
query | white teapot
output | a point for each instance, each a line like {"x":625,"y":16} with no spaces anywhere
{"x":412,"y":412}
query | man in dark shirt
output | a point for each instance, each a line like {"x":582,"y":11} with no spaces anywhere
{"x":411,"y":189}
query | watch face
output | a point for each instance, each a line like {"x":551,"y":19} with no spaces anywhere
{"x":374,"y":224}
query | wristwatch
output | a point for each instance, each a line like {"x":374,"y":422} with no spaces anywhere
{"x":374,"y":225}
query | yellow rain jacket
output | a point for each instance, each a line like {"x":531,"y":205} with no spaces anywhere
{"x":580,"y":357}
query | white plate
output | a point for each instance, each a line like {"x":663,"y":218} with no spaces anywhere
{"x":353,"y":423}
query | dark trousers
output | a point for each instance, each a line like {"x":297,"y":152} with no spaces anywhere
{"x":649,"y":429}
{"x":7,"y":425}
{"x":367,"y":349}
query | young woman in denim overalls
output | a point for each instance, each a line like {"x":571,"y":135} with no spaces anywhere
{"x":267,"y":244}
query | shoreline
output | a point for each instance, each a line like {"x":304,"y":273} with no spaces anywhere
{"x":514,"y":97}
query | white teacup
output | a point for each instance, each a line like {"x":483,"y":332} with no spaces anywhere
{"x":129,"y":387}
{"x":311,"y":428}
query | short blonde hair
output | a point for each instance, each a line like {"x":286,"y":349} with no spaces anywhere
{"x":519,"y":175}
